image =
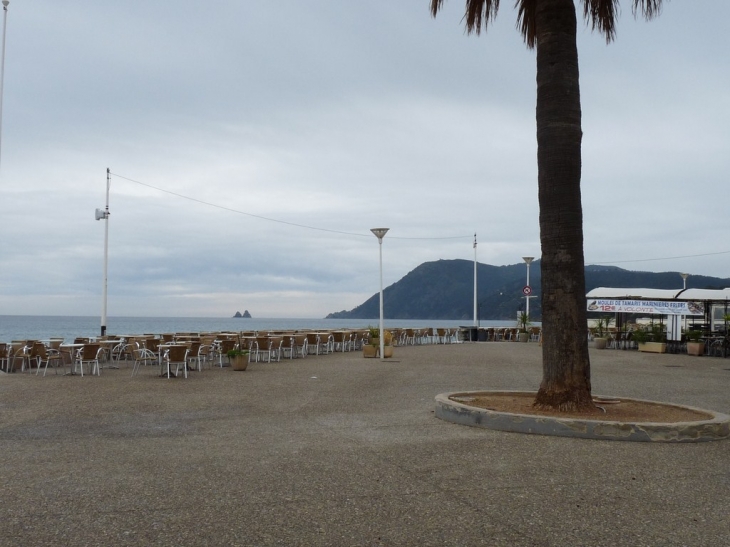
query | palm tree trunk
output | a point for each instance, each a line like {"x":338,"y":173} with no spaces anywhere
{"x":566,"y":381}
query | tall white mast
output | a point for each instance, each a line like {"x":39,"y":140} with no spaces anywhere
{"x":104,"y":215}
{"x":2,"y":66}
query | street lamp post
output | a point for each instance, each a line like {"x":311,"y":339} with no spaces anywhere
{"x":476,"y":321}
{"x":528,"y":260}
{"x":2,"y":66}
{"x":380,"y":234}
{"x":104,"y":215}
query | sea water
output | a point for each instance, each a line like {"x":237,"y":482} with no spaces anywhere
{"x":43,"y":327}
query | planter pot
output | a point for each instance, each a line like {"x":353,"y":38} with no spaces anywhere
{"x":373,"y":351}
{"x":653,"y":347}
{"x":695,"y":348}
{"x":370,"y":351}
{"x":239,"y":362}
{"x":600,"y":343}
{"x":523,"y":336}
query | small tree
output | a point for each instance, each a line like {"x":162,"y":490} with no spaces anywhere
{"x":602,"y":325}
{"x":523,"y":321}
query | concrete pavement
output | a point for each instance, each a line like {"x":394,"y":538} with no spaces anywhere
{"x":340,"y":450}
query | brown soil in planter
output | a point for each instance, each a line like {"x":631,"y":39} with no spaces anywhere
{"x":615,"y":409}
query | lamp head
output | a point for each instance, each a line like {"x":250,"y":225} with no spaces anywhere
{"x":6,"y":2}
{"x":379,"y":232}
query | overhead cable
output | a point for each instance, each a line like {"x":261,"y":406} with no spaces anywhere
{"x":278,"y":221}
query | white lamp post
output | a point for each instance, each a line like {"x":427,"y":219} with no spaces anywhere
{"x":528,"y":260}
{"x":104,"y":215}
{"x":475,"y":281}
{"x":380,"y":234}
{"x":2,"y":66}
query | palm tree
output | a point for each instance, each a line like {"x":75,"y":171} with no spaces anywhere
{"x":550,"y":27}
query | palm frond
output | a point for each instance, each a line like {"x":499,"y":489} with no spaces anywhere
{"x":602,"y":16}
{"x":477,"y":13}
{"x":435,"y":7}
{"x":649,"y":8}
{"x":526,"y":20}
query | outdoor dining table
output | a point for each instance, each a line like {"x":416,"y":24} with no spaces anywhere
{"x":74,"y":349}
{"x":108,"y":346}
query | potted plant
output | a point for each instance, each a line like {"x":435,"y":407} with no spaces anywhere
{"x":601,"y":339}
{"x":387,"y":344}
{"x":373,"y":347}
{"x":694,"y":345}
{"x":655,"y":341}
{"x":640,"y":336}
{"x":523,"y":321}
{"x":238,"y":358}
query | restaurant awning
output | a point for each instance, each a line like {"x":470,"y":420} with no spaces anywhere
{"x":713,"y":295}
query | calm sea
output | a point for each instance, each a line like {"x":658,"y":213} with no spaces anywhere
{"x":43,"y":327}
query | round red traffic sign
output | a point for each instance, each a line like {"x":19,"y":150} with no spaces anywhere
{"x":527,"y":290}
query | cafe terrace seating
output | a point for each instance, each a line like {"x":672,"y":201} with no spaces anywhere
{"x":20,"y":351}
{"x":359,"y":335}
{"x":89,"y":355}
{"x":299,"y":345}
{"x":266,"y":346}
{"x":4,"y":357}
{"x":144,"y":357}
{"x":443,"y":336}
{"x":206,"y":350}
{"x":341,"y":341}
{"x":176,"y":354}
{"x":43,"y":355}
{"x":319,"y":343}
{"x":222,"y":348}
{"x":194,"y":354}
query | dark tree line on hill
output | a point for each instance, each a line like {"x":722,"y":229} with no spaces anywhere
{"x":444,"y":289}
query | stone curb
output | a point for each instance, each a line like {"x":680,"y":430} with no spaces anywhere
{"x":714,"y":429}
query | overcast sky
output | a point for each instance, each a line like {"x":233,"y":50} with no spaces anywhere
{"x":329,"y":118}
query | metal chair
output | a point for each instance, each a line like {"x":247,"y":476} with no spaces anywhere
{"x":223,"y":347}
{"x":4,"y":357}
{"x":143,"y":356}
{"x":176,"y":355}
{"x":194,"y":355}
{"x":19,"y":349}
{"x":89,"y":355}
{"x":48,"y":356}
{"x":265,"y":346}
{"x":342,"y":341}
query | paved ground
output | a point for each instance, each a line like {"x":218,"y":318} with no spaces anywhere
{"x":340,"y":450}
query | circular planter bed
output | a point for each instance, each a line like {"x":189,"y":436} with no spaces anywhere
{"x":616,"y":419}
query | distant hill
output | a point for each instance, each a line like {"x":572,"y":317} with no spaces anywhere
{"x":444,"y":289}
